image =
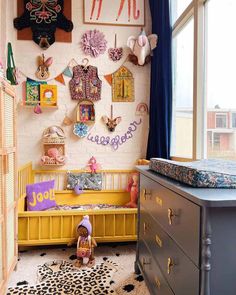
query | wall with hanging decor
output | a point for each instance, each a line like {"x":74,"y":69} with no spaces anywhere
{"x":133,"y":138}
{"x":7,"y":32}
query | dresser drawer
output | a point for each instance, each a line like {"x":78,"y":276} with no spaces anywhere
{"x":152,"y":274}
{"x":175,"y":265}
{"x":179,"y":217}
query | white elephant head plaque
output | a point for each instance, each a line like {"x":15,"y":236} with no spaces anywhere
{"x":142,"y":48}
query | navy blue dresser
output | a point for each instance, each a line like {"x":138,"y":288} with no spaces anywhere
{"x":186,"y":237}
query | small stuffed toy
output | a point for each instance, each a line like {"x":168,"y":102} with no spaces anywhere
{"x":133,"y":189}
{"x":142,"y":48}
{"x":85,"y":244}
{"x":93,"y":166}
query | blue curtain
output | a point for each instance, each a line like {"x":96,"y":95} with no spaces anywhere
{"x":161,"y":83}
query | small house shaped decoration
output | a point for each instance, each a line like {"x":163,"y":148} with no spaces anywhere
{"x":54,"y":147}
{"x":85,"y":112}
{"x":122,"y":85}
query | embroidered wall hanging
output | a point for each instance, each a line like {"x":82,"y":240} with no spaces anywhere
{"x":93,"y":43}
{"x":43,"y":17}
{"x":122,"y":85}
{"x":80,"y":129}
{"x":85,"y":83}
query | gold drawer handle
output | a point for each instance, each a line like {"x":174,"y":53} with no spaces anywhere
{"x":159,"y":201}
{"x":147,"y":194}
{"x":170,"y":264}
{"x":144,"y":262}
{"x":146,"y":228}
{"x":158,"y":283}
{"x":171,"y":215}
{"x":159,"y":241}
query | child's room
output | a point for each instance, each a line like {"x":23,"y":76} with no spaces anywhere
{"x":117,"y":147}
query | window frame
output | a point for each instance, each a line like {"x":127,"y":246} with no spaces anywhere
{"x":232,"y":120}
{"x":195,"y":10}
{"x":226,"y":121}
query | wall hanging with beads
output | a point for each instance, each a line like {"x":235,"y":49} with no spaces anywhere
{"x":122,"y":82}
{"x":115,"y":54}
{"x":85,"y":83}
{"x":46,"y":19}
{"x":85,"y":117}
{"x":53,"y":146}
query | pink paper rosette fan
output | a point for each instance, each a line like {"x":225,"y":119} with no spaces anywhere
{"x":93,"y":43}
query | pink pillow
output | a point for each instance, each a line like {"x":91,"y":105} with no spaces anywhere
{"x":40,"y":196}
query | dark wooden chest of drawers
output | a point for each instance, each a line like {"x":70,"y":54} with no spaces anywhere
{"x":186,"y":237}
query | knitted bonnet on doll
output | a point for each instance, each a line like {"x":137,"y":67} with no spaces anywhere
{"x":86,"y":223}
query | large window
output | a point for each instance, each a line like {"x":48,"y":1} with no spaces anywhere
{"x":178,"y":6}
{"x":220,"y":74}
{"x":182,"y":129}
{"x":204,"y":93}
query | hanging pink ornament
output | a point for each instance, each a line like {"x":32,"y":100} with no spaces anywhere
{"x":37,"y":109}
{"x":93,"y":43}
{"x":115,"y":53}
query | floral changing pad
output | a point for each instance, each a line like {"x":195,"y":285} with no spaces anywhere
{"x":211,"y":173}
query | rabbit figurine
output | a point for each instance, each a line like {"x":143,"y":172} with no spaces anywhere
{"x":42,"y":72}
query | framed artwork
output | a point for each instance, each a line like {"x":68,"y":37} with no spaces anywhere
{"x":48,"y":95}
{"x":122,"y":85}
{"x":120,"y":13}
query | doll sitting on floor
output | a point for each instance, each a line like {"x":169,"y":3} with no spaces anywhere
{"x":85,"y":244}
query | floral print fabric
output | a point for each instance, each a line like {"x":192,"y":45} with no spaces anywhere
{"x":212,"y":173}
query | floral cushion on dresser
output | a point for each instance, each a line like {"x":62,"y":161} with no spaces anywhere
{"x":205,"y":173}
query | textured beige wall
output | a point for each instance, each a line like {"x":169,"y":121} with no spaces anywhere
{"x":31,"y":126}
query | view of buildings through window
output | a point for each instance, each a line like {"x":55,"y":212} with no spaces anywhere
{"x":182,"y":126}
{"x":220,"y":78}
{"x":219,"y":85}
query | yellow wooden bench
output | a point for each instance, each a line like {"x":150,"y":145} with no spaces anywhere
{"x":58,"y":227}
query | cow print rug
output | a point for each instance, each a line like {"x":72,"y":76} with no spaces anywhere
{"x":61,"y":277}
